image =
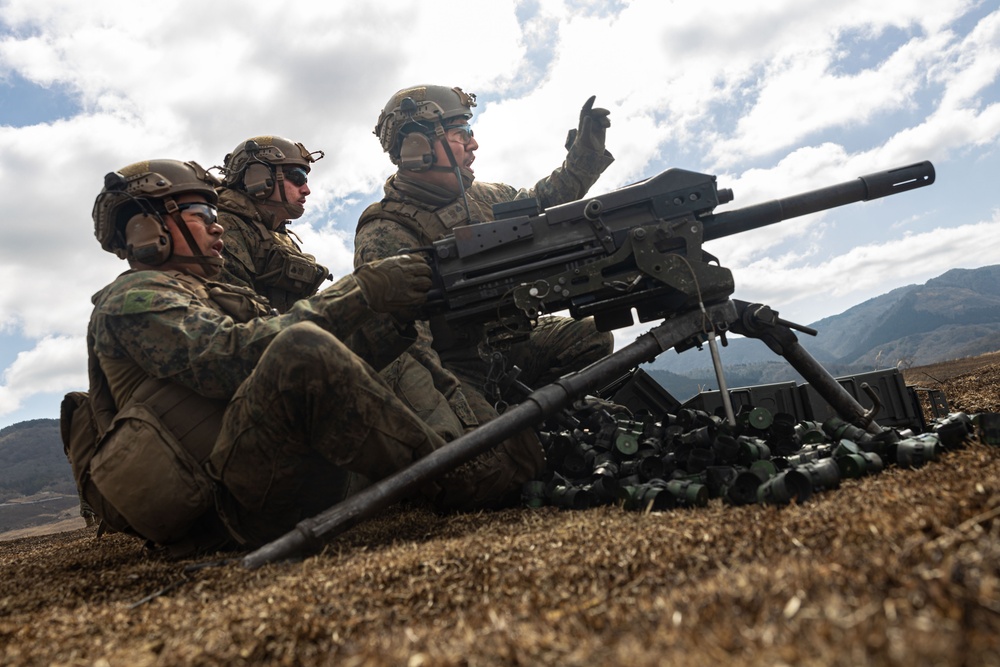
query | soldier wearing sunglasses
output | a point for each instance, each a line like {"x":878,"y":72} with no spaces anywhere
{"x":426,"y":132}
{"x":265,"y":188}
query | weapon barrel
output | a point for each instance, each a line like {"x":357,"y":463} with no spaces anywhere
{"x":865,"y":188}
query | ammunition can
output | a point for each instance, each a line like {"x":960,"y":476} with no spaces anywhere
{"x":784,"y":487}
{"x":988,"y":428}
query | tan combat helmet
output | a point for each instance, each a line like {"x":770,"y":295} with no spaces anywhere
{"x":137,"y":196}
{"x":251,"y":165}
{"x":419,"y":111}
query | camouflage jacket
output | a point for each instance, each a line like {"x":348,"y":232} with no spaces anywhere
{"x":263,"y":256}
{"x":200,"y":334}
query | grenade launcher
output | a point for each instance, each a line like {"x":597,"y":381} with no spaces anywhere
{"x":639,"y":247}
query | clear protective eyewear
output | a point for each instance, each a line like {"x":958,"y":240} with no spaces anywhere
{"x":463,"y":134}
{"x":207,"y":212}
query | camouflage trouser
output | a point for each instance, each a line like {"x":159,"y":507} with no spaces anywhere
{"x":557,"y":346}
{"x":309,"y":419}
{"x":414,"y":384}
{"x":520,"y":455}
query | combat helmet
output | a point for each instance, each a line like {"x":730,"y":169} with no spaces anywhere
{"x":251,"y":165}
{"x":145,"y":190}
{"x":421,"y":110}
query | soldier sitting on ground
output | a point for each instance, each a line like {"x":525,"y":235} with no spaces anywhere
{"x":215,"y":421}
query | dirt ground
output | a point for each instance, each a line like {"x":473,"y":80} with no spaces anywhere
{"x":902,"y":568}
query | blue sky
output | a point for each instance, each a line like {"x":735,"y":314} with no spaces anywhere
{"x":774,"y":98}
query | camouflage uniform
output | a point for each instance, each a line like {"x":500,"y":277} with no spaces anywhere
{"x":261,"y":254}
{"x":286,"y":410}
{"x":413,"y":214}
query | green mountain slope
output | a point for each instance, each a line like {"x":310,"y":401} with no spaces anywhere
{"x":32,"y":460}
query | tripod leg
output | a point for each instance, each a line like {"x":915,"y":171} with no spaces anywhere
{"x":760,"y":322}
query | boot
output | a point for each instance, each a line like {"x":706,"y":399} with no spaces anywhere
{"x":492,"y":479}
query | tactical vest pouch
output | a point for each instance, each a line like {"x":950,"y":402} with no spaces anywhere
{"x":80,"y":434}
{"x":286,"y":269}
{"x":240,"y":303}
{"x":142,"y":470}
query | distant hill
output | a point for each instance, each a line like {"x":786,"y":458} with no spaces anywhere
{"x":32,"y":460}
{"x":952,"y":316}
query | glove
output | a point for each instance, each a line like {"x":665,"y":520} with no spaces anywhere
{"x":394,"y":284}
{"x":593,"y":127}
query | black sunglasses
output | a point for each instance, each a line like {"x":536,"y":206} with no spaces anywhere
{"x":297,"y":176}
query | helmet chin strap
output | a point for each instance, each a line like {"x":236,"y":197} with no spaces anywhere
{"x":459,"y":177}
{"x":212,"y":265}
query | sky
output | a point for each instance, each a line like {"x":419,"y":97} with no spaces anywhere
{"x":774,"y":97}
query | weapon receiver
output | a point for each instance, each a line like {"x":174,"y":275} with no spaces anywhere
{"x":638,"y":247}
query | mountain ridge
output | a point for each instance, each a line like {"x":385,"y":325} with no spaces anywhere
{"x":954,"y":315}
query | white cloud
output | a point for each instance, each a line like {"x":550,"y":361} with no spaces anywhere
{"x":806,"y":97}
{"x":975,"y":64}
{"x":56,"y":364}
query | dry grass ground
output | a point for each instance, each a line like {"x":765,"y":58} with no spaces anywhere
{"x":898,"y":569}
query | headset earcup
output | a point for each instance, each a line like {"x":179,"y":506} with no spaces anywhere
{"x":147,"y":240}
{"x":258,"y":181}
{"x":415,"y":153}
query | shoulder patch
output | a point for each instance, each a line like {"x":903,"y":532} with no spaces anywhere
{"x":136,"y":292}
{"x":138,"y":301}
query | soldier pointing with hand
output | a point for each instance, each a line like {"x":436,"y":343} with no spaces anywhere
{"x":426,"y":132}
